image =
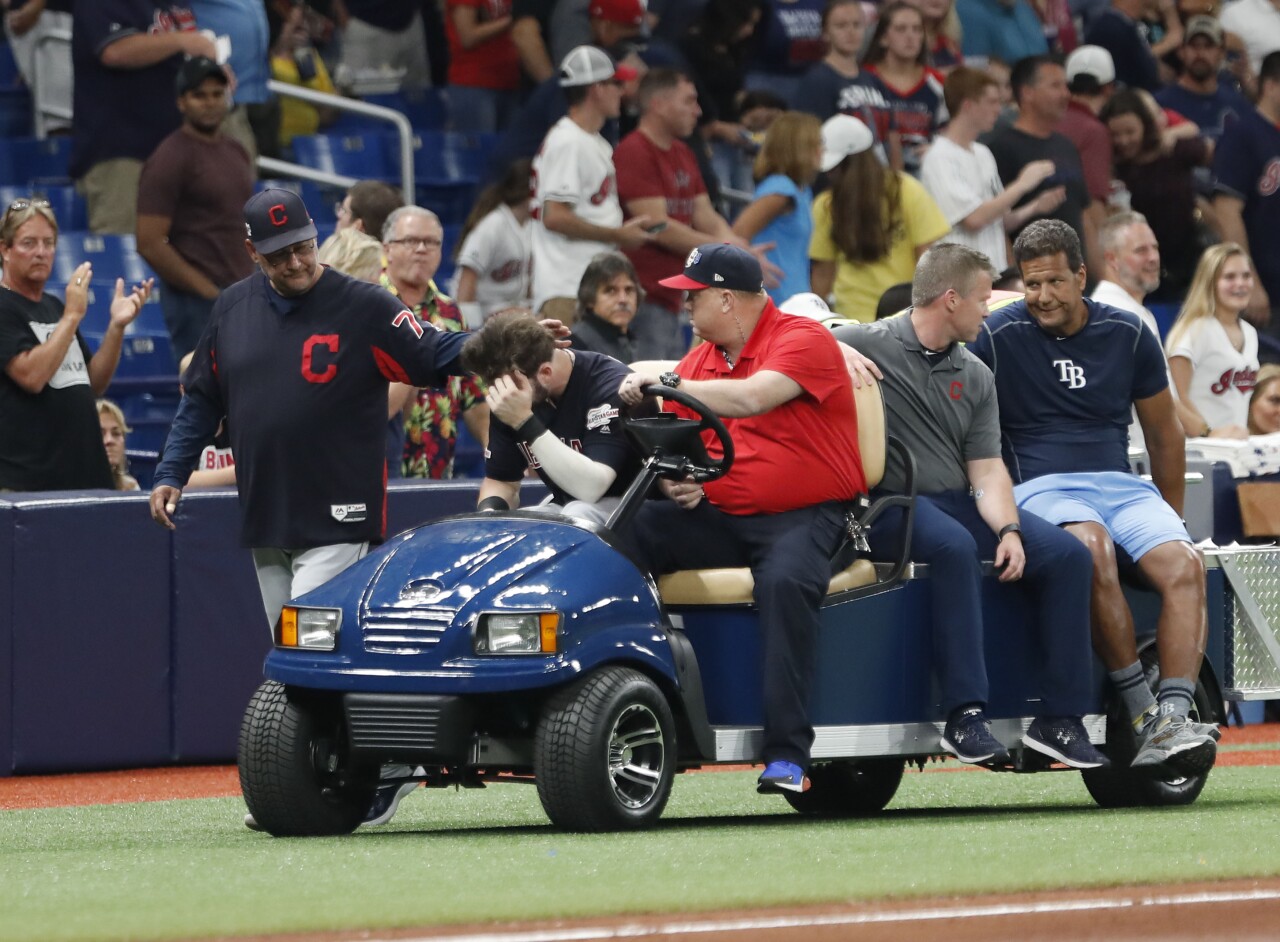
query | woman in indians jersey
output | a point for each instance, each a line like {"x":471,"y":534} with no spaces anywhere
{"x":1213,"y":351}
{"x":896,"y":58}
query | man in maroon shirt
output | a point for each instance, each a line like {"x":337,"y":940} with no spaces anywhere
{"x":1091,"y":78}
{"x":658,"y":177}
{"x":189,"y":199}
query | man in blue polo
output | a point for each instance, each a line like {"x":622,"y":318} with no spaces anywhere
{"x":940,"y":402}
{"x":1067,"y":370}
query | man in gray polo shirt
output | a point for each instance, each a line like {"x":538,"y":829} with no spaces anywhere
{"x":941,"y":403}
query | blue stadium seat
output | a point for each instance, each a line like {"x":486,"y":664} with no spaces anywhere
{"x":15,"y":112}
{"x":146,"y":365}
{"x":445,"y":272}
{"x":113,"y":256}
{"x":448,"y":166}
{"x":451,"y":155}
{"x":32,"y":159}
{"x":428,"y":110}
{"x":321,"y":200}
{"x":98,"y":314}
{"x":68,"y":206}
{"x":363,"y":156}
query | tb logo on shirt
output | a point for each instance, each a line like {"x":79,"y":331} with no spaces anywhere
{"x":1070,"y":374}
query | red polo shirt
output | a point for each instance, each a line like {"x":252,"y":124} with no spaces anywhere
{"x":801,"y":453}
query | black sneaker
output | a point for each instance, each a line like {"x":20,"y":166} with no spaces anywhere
{"x":968,"y":738}
{"x":1064,"y":740}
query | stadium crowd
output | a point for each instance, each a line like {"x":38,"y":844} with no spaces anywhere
{"x":829,"y":144}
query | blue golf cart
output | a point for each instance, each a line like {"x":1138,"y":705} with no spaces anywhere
{"x":522,"y":646}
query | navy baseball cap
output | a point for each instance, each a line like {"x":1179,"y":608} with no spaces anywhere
{"x":195,"y":70}
{"x":718,"y":265}
{"x":276,"y":219}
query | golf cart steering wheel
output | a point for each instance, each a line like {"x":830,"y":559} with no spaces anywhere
{"x":677,"y":443}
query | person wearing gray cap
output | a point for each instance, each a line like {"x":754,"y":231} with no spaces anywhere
{"x":1198,"y":94}
{"x":189,"y":198}
{"x":781,"y":386}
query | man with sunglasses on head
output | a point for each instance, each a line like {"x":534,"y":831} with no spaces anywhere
{"x":49,"y":378}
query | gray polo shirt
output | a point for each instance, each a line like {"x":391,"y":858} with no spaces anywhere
{"x":945,"y":411}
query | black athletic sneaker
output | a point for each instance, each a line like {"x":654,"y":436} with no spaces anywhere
{"x":1064,"y":740}
{"x":968,"y":738}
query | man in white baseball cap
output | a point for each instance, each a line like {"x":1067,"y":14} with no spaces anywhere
{"x":575,"y":190}
{"x":1091,"y":79}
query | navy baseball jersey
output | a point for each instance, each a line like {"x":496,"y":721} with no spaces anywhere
{"x":587,"y":417}
{"x":1064,"y":401}
{"x":303,"y":384}
{"x":1247,"y":166}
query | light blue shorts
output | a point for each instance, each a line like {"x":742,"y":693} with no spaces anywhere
{"x":1131,"y":509}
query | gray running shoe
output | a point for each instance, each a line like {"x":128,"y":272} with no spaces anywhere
{"x":1177,"y":743}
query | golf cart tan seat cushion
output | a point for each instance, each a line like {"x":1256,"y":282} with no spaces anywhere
{"x":735,"y":586}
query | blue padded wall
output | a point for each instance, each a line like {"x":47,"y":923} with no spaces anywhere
{"x":90,"y":624}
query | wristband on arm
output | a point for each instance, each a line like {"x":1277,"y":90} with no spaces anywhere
{"x":530,"y":429}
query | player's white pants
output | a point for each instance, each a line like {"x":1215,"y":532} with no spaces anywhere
{"x":285,"y":574}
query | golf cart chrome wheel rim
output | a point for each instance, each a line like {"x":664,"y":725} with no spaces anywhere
{"x":636,"y":756}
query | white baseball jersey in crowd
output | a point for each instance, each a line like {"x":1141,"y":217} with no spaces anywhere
{"x":573,"y":167}
{"x":1222,"y":377}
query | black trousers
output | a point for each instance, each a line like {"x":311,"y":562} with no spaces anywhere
{"x":789,"y":555}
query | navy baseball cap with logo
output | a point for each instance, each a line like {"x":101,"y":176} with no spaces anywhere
{"x":718,"y":265}
{"x":276,"y":219}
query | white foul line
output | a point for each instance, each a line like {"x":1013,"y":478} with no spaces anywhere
{"x":753,"y":924}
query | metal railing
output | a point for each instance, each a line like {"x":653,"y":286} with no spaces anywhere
{"x":404,"y":131}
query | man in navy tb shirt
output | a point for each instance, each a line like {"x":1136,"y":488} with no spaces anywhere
{"x":1067,"y":370}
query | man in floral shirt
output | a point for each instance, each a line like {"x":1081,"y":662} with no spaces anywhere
{"x":413,"y":240}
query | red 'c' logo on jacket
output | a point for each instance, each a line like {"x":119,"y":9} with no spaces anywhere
{"x":310,"y":355}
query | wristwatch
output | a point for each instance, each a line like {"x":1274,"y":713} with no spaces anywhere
{"x":1009,"y":528}
{"x":671,"y":380}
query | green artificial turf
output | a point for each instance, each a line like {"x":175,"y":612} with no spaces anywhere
{"x":190,"y":868}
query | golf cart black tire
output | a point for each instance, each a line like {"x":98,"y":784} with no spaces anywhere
{"x":571,"y":760}
{"x":282,"y":737}
{"x":849,"y":789}
{"x":1124,"y":787}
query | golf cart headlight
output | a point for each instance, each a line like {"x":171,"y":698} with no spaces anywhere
{"x":312,"y":628}
{"x":523,"y":633}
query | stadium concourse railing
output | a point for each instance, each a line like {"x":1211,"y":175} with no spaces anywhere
{"x":271,"y":166}
{"x":125,"y":645}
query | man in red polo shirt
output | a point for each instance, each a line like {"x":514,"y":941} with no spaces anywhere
{"x":781,"y":386}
